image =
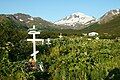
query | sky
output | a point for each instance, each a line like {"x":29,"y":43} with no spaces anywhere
{"x":53,"y":10}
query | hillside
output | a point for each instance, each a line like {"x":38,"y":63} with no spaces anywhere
{"x":11,"y":30}
{"x":12,"y":20}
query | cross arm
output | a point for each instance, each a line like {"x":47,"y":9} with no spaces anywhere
{"x":35,"y":40}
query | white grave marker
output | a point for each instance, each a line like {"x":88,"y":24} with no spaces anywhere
{"x":33,"y":32}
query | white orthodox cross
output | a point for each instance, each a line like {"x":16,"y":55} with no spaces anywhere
{"x":33,"y":32}
{"x":60,"y":35}
{"x":48,"y":41}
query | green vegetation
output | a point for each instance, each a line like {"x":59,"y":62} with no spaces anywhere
{"x":81,"y":59}
{"x":69,"y":58}
{"x":54,"y":33}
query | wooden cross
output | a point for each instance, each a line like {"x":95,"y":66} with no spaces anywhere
{"x":33,"y":32}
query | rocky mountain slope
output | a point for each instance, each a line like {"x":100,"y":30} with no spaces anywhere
{"x":30,"y":21}
{"x":109,"y":15}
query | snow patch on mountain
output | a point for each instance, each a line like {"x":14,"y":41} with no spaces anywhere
{"x":30,"y":19}
{"x":21,"y":20}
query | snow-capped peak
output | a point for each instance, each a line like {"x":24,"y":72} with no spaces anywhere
{"x":75,"y":18}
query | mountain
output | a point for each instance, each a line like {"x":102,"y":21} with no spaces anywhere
{"x":76,"y":23}
{"x":108,"y":24}
{"x":76,"y":20}
{"x":19,"y":21}
{"x":109,"y":15}
{"x":30,"y":21}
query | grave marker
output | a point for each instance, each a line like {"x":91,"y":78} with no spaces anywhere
{"x":33,"y":32}
{"x":60,"y":36}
